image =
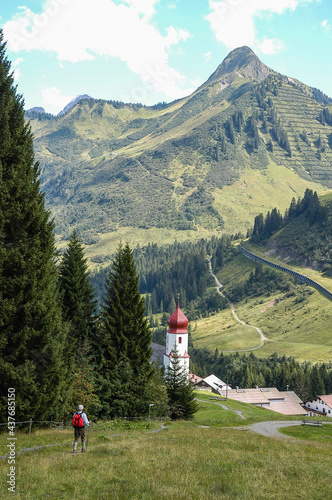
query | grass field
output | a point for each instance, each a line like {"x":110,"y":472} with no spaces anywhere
{"x":223,"y":330}
{"x":309,"y":433}
{"x":208,"y":458}
{"x":296,"y":324}
{"x":255,"y":192}
{"x":100,"y":253}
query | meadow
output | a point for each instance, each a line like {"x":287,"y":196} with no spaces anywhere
{"x":214,"y":456}
{"x":297,"y":322}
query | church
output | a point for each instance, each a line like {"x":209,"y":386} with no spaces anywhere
{"x":177,"y":340}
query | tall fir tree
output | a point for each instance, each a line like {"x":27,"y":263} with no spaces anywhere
{"x":125,"y":335}
{"x":32,"y":334}
{"x":84,"y":386}
{"x":317,"y":383}
{"x":181,"y":397}
{"x":78,"y":298}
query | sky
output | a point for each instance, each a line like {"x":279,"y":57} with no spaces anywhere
{"x":150,"y":51}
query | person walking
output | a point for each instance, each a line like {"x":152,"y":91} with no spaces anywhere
{"x":80,"y":421}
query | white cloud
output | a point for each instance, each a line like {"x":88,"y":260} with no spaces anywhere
{"x":16,"y":69}
{"x":271,"y":45}
{"x":207,"y":56}
{"x":16,"y":74}
{"x":197,"y":82}
{"x":77,"y":30}
{"x":325,"y":25}
{"x":145,"y":7}
{"x":17,"y":62}
{"x":53,"y":100}
{"x":233,"y":21}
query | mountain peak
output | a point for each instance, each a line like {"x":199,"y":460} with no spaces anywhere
{"x":244,"y":62}
{"x":72,"y":103}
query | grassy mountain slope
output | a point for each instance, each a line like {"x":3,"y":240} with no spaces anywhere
{"x":205,"y":163}
{"x":304,"y":242}
{"x":295,"y":318}
{"x":296,"y":322}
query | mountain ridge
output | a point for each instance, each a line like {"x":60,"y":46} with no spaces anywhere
{"x":244,"y":141}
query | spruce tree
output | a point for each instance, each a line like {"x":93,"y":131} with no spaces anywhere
{"x":317,"y":383}
{"x":84,"y":383}
{"x":181,"y":397}
{"x":125,"y":335}
{"x":32,"y":334}
{"x":78,"y":300}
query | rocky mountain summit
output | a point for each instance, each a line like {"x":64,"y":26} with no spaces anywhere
{"x":72,"y":103}
{"x":241,"y":62}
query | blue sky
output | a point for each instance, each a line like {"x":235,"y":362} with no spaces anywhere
{"x":157,"y":50}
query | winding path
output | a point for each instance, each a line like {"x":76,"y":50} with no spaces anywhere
{"x":224,"y":407}
{"x":263,"y":338}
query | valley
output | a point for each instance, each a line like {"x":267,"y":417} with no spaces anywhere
{"x":247,"y":140}
{"x":296,"y":323}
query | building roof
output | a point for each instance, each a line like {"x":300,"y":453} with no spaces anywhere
{"x":171,"y":354}
{"x":327,"y":398}
{"x":286,"y":402}
{"x":158,"y":351}
{"x":177,"y":322}
{"x":213,"y":382}
{"x":194,"y":378}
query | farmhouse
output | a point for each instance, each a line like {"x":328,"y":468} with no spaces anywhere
{"x":211,"y":383}
{"x":322,"y":405}
{"x":193,"y":379}
{"x":284,"y":402}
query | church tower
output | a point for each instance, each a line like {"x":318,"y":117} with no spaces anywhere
{"x":177,"y":338}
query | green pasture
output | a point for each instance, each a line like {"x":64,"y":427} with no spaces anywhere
{"x":214,"y":456}
{"x":297,"y":323}
{"x":258,"y":191}
{"x":223,"y":330}
{"x":310,"y":433}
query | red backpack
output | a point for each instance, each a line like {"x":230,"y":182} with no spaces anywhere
{"x":78,"y":420}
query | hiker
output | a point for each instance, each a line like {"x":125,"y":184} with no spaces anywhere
{"x":80,"y":420}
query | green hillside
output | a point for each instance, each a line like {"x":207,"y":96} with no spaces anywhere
{"x":245,"y":141}
{"x":296,"y":320}
{"x":217,"y":455}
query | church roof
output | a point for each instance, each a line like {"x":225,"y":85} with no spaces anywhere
{"x":177,"y":322}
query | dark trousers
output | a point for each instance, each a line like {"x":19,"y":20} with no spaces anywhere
{"x":79,"y":431}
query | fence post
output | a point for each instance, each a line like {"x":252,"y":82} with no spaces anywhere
{"x":51,"y":423}
{"x":30,"y":425}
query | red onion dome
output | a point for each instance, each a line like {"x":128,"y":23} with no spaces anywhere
{"x":178,"y":322}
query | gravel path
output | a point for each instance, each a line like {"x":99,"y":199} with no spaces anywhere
{"x":271,"y":428}
{"x":224,"y":407}
{"x":34,"y":448}
{"x":263,"y":338}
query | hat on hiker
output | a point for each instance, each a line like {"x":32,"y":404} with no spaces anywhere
{"x":80,"y":407}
